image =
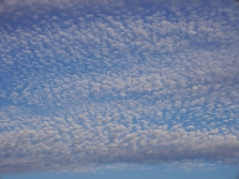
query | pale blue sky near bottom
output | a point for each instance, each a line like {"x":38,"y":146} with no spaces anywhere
{"x":151,"y":172}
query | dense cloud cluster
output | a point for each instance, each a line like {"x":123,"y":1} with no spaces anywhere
{"x":145,"y":84}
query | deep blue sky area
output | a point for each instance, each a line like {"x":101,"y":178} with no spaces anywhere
{"x":119,"y":89}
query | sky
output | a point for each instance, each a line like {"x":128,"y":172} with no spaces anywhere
{"x":119,"y":89}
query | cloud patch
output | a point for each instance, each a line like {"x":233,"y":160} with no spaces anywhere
{"x":150,"y":85}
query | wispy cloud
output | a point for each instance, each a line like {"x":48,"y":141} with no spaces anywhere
{"x":81,"y":89}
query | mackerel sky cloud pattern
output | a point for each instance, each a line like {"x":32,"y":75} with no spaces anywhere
{"x":89,"y":83}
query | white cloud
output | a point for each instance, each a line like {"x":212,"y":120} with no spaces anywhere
{"x":105,"y":88}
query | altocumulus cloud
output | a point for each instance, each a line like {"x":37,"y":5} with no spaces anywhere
{"x":86,"y":84}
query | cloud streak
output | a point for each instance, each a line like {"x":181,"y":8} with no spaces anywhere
{"x":90,"y":88}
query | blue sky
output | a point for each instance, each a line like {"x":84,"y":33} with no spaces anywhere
{"x":121,"y":88}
